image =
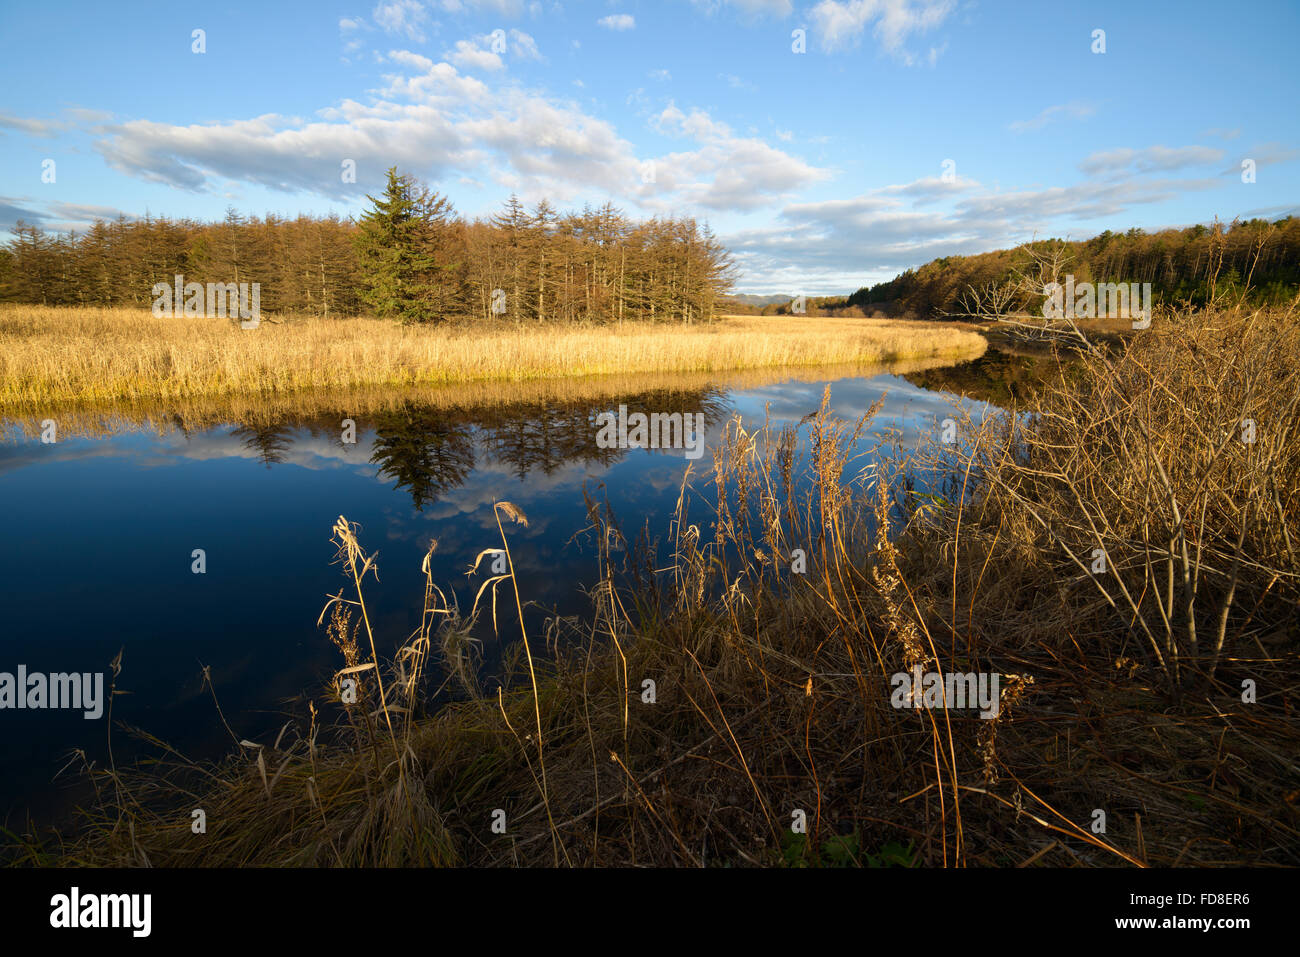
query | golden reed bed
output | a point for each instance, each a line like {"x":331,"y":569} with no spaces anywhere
{"x":24,"y":422}
{"x":83,"y":356}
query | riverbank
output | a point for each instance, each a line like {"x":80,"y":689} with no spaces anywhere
{"x":1119,"y":554}
{"x":83,"y":356}
{"x":24,"y":422}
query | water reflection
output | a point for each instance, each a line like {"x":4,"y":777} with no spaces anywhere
{"x":101,"y":526}
{"x":427,"y":451}
{"x":269,"y":442}
{"x":422,"y":452}
{"x":1000,"y":376}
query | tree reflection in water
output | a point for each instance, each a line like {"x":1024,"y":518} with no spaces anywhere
{"x":429,"y":451}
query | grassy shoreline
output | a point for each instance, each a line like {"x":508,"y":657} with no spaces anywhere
{"x":75,"y":355}
{"x":23,"y":421}
{"x":1122,"y":691}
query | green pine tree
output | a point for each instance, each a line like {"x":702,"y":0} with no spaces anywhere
{"x":405,"y":253}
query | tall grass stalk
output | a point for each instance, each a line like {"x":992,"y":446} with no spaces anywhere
{"x":1122,"y":688}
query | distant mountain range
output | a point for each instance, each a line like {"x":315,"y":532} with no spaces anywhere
{"x":752,"y":300}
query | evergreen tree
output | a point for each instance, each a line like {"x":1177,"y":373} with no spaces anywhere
{"x":405,"y":247}
{"x":413,"y":259}
{"x":36,"y":267}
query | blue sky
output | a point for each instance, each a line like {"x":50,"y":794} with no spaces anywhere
{"x":823,"y":170}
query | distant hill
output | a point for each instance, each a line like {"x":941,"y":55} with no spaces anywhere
{"x":1257,"y":258}
{"x":748,"y":299}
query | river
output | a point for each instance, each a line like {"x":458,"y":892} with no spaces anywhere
{"x":103,"y":524}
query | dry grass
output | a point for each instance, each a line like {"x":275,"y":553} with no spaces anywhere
{"x":1121,"y":690}
{"x":88,"y":356}
{"x":164,"y":416}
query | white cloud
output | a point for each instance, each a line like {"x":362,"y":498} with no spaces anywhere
{"x":841,"y":23}
{"x":434,"y":120}
{"x":405,"y":17}
{"x":275,"y":153}
{"x":1265,"y":154}
{"x":831,"y":246}
{"x":618,"y":21}
{"x":470,"y":55}
{"x":673,"y":122}
{"x":779,"y":8}
{"x":524,"y":46}
{"x":750,"y":8}
{"x":436,"y":84}
{"x":1075,"y":110}
{"x":509,"y":8}
{"x":58,"y":217}
{"x":480,"y":53}
{"x":88,"y":116}
{"x":735,"y":82}
{"x":930,"y":189}
{"x":42,"y":128}
{"x":726,"y":172}
{"x":1036,"y":210}
{"x":1149,"y":159}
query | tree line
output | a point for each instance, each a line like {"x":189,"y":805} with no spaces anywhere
{"x":1255,"y":259}
{"x":304,"y":265}
{"x":408,"y":257}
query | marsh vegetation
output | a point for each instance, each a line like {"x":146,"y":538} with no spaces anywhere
{"x":86,"y":356}
{"x":1122,"y":689}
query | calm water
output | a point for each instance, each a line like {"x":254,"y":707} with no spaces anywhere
{"x":99,"y":533}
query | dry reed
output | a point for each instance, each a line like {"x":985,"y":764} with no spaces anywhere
{"x":86,"y":355}
{"x":1122,"y":688}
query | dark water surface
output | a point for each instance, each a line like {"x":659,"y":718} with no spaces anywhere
{"x":99,"y":532}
